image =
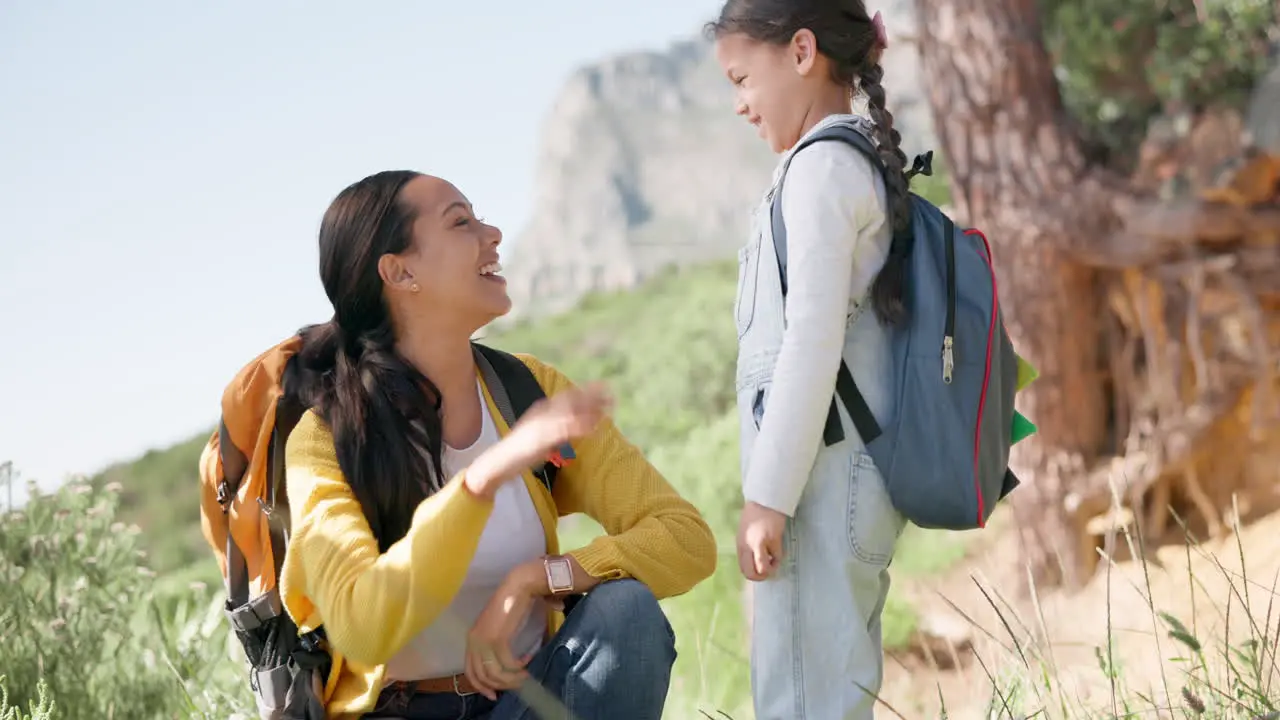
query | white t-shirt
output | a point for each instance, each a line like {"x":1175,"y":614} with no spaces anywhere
{"x":513,"y":536}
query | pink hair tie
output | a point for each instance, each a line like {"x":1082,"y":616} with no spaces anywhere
{"x":882,"y":35}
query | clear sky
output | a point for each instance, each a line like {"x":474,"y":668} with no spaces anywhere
{"x":164,"y":166}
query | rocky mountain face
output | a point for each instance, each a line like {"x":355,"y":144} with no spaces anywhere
{"x":644,"y":165}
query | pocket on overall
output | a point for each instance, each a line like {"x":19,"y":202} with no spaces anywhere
{"x":744,"y":307}
{"x":759,"y":398}
{"x":874,"y":524}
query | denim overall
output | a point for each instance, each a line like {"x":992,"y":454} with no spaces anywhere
{"x":816,"y":622}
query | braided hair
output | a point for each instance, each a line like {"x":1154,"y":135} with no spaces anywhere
{"x":850,"y":37}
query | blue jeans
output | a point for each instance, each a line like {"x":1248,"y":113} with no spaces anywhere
{"x":611,"y":659}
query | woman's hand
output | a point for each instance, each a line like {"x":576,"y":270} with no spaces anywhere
{"x":565,"y":416}
{"x":490,"y":665}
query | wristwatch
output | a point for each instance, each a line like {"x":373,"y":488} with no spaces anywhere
{"x":559,"y":574}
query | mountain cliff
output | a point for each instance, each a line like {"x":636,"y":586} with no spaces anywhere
{"x":642,"y":164}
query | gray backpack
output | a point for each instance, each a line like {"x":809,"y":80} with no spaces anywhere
{"x":945,"y":454}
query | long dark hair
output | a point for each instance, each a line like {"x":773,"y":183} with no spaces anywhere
{"x":845,"y":35}
{"x":383,"y":412}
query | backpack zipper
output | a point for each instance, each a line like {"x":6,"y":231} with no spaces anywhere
{"x":986,"y":378}
{"x":949,"y":330}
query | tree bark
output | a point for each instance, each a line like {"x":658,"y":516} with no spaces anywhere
{"x":1019,"y":175}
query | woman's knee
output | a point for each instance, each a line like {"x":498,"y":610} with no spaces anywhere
{"x":627,"y":611}
{"x":619,"y":650}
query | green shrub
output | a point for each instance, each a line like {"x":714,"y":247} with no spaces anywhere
{"x":1121,"y":62}
{"x":40,"y":709}
{"x":80,"y":615}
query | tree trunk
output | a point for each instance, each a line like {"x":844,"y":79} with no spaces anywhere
{"x":1019,"y":175}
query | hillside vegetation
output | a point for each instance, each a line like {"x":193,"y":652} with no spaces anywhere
{"x":160,"y":492}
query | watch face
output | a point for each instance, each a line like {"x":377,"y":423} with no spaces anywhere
{"x":561,"y":576}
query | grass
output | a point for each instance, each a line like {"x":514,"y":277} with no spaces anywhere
{"x":87,"y":632}
{"x":1208,"y":672}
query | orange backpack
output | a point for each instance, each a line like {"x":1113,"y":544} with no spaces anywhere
{"x":244,"y":514}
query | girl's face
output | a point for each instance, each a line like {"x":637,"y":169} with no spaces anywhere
{"x":775,"y":85}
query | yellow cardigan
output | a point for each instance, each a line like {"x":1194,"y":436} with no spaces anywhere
{"x":371,"y":604}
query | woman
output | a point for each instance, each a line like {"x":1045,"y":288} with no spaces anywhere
{"x":420,"y":539}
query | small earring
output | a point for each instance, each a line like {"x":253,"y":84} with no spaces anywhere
{"x":414,"y":287}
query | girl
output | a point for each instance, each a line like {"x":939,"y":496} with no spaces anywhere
{"x":420,"y":539}
{"x":817,"y":531}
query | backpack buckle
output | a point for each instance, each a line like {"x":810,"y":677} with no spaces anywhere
{"x":922,"y":165}
{"x":562,"y":455}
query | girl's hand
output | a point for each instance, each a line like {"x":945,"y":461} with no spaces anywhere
{"x":564,"y":417}
{"x":760,"y":541}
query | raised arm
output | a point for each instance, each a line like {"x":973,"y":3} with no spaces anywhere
{"x":370,"y":603}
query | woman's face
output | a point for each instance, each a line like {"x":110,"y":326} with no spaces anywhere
{"x":451,"y":268}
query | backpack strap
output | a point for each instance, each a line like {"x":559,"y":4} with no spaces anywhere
{"x":243,"y":613}
{"x":247,"y":613}
{"x":514,"y":389}
{"x":234,"y":465}
{"x":846,"y":134}
{"x":288,"y":412}
{"x":846,"y":389}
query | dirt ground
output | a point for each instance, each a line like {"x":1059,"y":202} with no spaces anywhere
{"x":1203,"y":586}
